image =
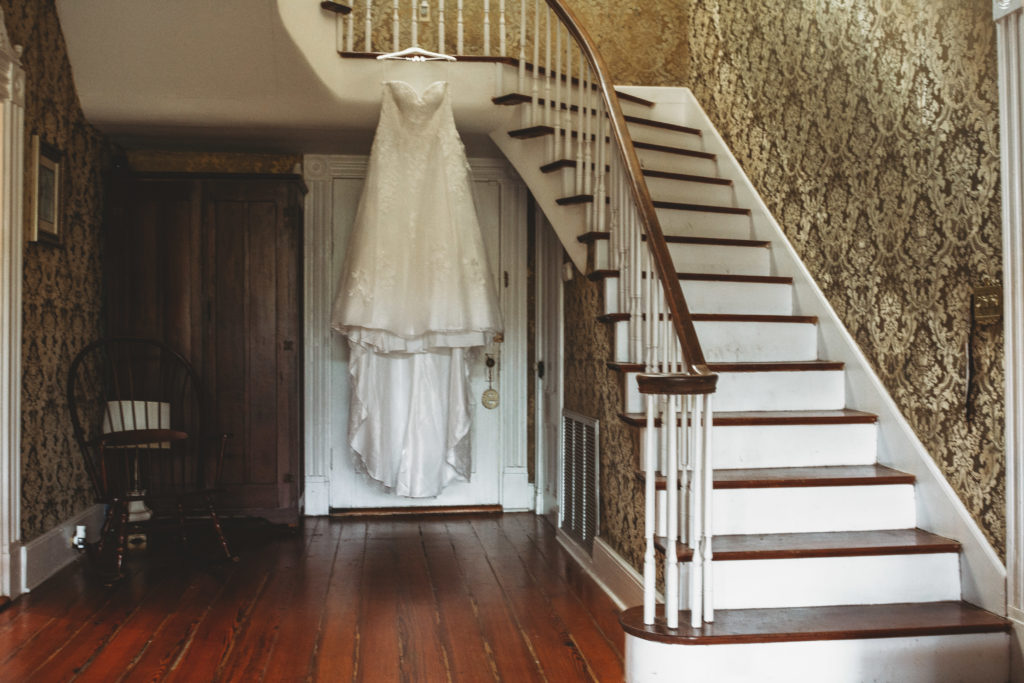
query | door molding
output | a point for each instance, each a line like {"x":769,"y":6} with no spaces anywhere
{"x":319,"y":172}
{"x":12,"y":168}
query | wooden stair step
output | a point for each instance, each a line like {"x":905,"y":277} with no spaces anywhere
{"x":519,"y":98}
{"x":706,"y":208}
{"x":601,"y":274}
{"x":821,"y":544}
{"x":843,"y":622}
{"x":723,"y":317}
{"x":772,"y":417}
{"x":681,"y":151}
{"x":687,"y":177}
{"x":799,"y":477}
{"x":766,"y":366}
{"x":595,"y":236}
{"x":559,"y":164}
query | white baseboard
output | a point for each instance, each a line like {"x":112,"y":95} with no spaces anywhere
{"x":318,"y":500}
{"x":620,"y":581}
{"x":43,"y":557}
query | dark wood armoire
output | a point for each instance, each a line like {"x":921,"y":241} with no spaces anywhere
{"x":212,"y":266}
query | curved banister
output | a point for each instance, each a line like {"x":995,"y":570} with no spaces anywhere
{"x":693,"y":355}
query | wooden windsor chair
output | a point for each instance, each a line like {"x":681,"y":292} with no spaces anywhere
{"x":137,"y":413}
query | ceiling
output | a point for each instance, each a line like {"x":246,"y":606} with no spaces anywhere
{"x":258,"y":75}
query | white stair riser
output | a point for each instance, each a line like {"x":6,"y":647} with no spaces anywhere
{"x":720,"y":259}
{"x":741,"y":447}
{"x":975,"y":657}
{"x":677,"y":163}
{"x":783,"y":390}
{"x":687,"y":223}
{"x":709,"y":296}
{"x":690,"y":191}
{"x":738,"y":342}
{"x":800,"y":509}
{"x":819,"y":581}
{"x":663,"y":136}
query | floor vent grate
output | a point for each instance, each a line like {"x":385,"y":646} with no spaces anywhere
{"x":579,"y":508}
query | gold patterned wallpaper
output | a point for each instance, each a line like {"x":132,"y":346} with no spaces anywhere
{"x":62,"y":284}
{"x":871,"y":129}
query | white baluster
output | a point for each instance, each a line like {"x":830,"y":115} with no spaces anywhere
{"x":671,"y":488}
{"x":602,"y":162}
{"x":534,"y":112}
{"x":709,"y":472}
{"x":557,"y":104}
{"x":415,"y":23}
{"x":440,"y":26}
{"x":501,"y":28}
{"x":580,"y":113}
{"x":567,"y":113}
{"x":649,"y":513}
{"x":460,"y":31}
{"x":350,"y":37}
{"x":395,"y":27}
{"x":368,"y":27}
{"x":522,"y":46}
{"x":588,"y":143}
{"x":487,"y":27}
{"x":696,"y":528}
{"x":636,"y":316}
{"x":547,"y":68}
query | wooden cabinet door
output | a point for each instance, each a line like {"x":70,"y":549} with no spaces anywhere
{"x":212,"y":267}
{"x":252,"y":338}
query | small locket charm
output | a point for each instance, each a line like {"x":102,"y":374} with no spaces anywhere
{"x":490,"y":397}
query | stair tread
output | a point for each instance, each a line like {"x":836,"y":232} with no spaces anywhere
{"x":822,"y":544}
{"x":800,"y":477}
{"x":686,"y":177}
{"x":520,"y":98}
{"x":750,"y":418}
{"x":601,"y":274}
{"x":681,"y":151}
{"x":843,"y":622}
{"x":707,"y":208}
{"x":594,"y":236}
{"x":743,"y":318}
{"x":759,"y":366}
{"x":832,"y":475}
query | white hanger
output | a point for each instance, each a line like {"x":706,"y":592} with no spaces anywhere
{"x":417,"y":54}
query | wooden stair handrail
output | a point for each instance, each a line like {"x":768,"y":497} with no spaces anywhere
{"x":681,"y":319}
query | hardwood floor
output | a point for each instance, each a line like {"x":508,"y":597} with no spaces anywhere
{"x":398,"y":599}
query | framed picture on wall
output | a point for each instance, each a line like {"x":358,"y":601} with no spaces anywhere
{"x":44,"y":193}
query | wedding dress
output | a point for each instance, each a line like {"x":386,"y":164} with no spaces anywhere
{"x":415,"y":295}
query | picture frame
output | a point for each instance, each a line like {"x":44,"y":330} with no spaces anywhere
{"x":45,"y":183}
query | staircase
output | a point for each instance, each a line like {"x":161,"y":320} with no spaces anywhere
{"x":820,"y":570}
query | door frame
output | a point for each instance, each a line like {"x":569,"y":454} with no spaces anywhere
{"x":549,"y":326}
{"x":319,"y":172}
{"x":12,"y":171}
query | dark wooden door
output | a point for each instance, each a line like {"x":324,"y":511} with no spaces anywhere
{"x":252,"y":337}
{"x":212,"y":267}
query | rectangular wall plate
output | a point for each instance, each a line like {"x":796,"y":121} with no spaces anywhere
{"x":987,"y":303}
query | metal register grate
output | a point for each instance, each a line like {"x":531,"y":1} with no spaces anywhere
{"x":579,"y":508}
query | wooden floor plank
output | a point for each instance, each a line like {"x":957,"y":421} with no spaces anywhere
{"x":557,"y":653}
{"x":379,"y":651}
{"x":471,"y":653}
{"x":598,"y":653}
{"x":513,"y":653}
{"x":471,"y":598}
{"x":338,"y":632}
{"x":598,"y":605}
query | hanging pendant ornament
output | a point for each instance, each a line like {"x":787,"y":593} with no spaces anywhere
{"x":490,"y":398}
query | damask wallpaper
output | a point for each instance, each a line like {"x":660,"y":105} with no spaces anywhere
{"x":871,"y":129}
{"x":62,"y":285}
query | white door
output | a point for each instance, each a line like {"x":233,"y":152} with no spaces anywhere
{"x":351,"y":488}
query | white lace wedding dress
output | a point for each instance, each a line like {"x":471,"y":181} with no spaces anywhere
{"x":415,"y":295}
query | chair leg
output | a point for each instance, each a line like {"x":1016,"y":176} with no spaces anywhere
{"x":219,"y":530}
{"x":118,"y":527}
{"x":106,"y":529}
